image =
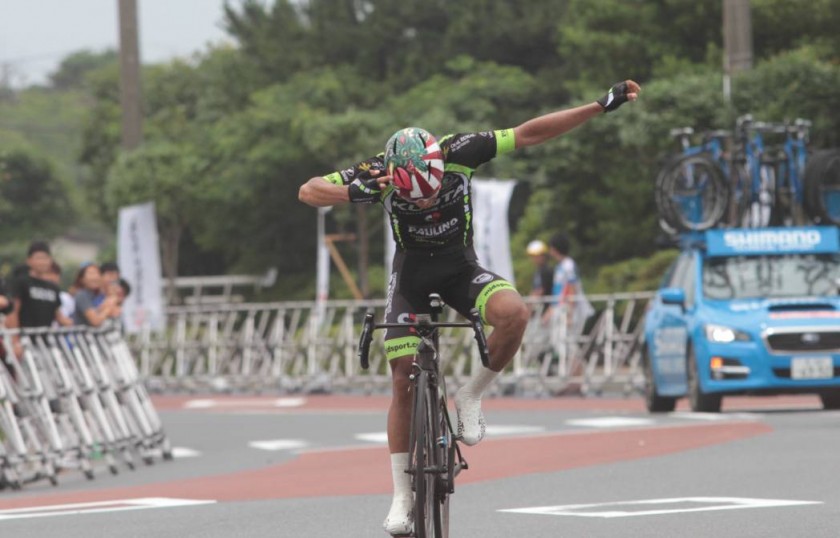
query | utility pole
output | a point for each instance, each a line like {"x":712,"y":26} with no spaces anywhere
{"x":737,"y":41}
{"x":130,"y":96}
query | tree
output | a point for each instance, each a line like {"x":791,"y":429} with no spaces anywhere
{"x":33,"y":202}
{"x":74,"y":69}
{"x":169,"y":175}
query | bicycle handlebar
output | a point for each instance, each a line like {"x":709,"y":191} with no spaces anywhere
{"x":369,"y":326}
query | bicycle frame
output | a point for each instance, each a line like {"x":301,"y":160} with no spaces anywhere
{"x":434,"y":455}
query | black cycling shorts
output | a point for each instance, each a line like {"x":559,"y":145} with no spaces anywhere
{"x":456,"y":276}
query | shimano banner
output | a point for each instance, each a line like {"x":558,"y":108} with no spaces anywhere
{"x":490,"y":200}
{"x":139,"y":260}
{"x":733,"y":242}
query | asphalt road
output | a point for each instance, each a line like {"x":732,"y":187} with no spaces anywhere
{"x":318,"y":467}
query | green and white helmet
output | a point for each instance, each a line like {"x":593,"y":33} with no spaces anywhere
{"x":415,"y":162}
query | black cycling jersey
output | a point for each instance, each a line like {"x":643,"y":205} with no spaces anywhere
{"x":447,"y":224}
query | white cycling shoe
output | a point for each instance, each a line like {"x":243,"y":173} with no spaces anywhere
{"x":400,"y":517}
{"x":471,"y":425}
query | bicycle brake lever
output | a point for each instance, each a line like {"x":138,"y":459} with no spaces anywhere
{"x":365,"y":340}
{"x":480,"y":338}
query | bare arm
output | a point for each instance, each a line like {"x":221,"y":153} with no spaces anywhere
{"x":542,"y":128}
{"x":318,"y":192}
{"x":94,"y":316}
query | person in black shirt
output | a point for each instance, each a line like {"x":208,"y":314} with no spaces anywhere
{"x":36,"y":301}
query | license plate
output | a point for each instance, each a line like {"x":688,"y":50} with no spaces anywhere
{"x":811,"y":368}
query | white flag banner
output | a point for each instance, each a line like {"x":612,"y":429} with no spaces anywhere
{"x":491,"y":235}
{"x":322,"y":270}
{"x":138,"y":256}
{"x":390,"y":248}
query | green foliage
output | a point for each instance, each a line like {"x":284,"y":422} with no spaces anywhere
{"x":634,"y":274}
{"x":315,"y":86}
{"x":33,"y":202}
{"x":793,"y":85}
{"x":74,"y":69}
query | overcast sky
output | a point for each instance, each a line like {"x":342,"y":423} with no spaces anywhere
{"x":36,"y":34}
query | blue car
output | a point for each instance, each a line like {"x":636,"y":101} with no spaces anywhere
{"x":746,"y":311}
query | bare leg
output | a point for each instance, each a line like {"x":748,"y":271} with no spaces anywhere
{"x":398,"y":521}
{"x":399,"y":414}
{"x":508,"y":315}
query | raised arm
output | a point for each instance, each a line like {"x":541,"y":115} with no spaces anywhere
{"x":318,"y":192}
{"x":538,"y":130}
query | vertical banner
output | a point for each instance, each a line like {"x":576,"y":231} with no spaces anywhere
{"x":138,"y":256}
{"x":490,"y":200}
{"x":322,"y":274}
{"x":390,"y":248}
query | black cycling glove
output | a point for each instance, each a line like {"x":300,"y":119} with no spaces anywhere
{"x":364,"y":191}
{"x":616,"y":97}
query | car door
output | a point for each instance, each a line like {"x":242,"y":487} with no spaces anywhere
{"x":669,"y":338}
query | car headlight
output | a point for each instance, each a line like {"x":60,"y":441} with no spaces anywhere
{"x":725,"y":335}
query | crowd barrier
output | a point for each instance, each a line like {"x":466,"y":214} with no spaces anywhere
{"x":304,"y":346}
{"x":73,"y":399}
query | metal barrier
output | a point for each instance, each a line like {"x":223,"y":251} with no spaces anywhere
{"x":295,"y":346}
{"x":72,"y":398}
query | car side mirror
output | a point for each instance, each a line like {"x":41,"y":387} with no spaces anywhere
{"x":674,"y":296}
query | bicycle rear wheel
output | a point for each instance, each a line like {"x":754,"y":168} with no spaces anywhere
{"x":692,"y":193}
{"x":445,"y":450}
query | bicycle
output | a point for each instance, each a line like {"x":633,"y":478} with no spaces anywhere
{"x":435,"y":458}
{"x":692,"y":193}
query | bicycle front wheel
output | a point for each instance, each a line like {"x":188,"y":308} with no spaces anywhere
{"x":423,"y":459}
{"x":692,"y":193}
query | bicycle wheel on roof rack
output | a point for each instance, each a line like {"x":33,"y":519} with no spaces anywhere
{"x":822,"y":187}
{"x":692,"y":193}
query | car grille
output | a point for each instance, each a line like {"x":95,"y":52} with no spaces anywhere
{"x":804,"y":341}
{"x":784,"y":373}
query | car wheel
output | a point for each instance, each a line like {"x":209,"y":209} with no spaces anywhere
{"x":653,"y":401}
{"x":830,"y":399}
{"x":700,"y":401}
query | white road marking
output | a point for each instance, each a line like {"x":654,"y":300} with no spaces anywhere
{"x":711,"y":417}
{"x":376,"y":437}
{"x":278,"y":444}
{"x":223,"y":404}
{"x":183,"y":452}
{"x":701,"y":504}
{"x":611,"y":422}
{"x":97,"y":507}
{"x":491,"y":431}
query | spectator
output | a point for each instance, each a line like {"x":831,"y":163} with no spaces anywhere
{"x":5,"y":301}
{"x":125,"y":290}
{"x":92,"y":307}
{"x":110,"y":276}
{"x":542,"y":281}
{"x":36,"y":301}
{"x":568,"y":289}
{"x":68,"y":304}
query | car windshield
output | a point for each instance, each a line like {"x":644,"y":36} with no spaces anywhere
{"x":792,"y":275}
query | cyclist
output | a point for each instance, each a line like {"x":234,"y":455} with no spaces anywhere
{"x":424,"y":185}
